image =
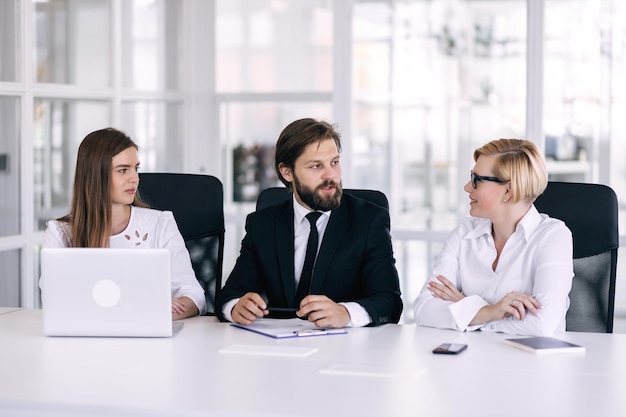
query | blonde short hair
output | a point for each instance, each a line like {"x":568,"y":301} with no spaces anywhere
{"x":520,"y":162}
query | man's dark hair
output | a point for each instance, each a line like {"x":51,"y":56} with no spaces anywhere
{"x":296,"y":137}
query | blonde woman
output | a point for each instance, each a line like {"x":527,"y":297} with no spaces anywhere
{"x":507,"y":268}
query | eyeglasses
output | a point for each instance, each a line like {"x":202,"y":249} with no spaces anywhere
{"x":476,"y":178}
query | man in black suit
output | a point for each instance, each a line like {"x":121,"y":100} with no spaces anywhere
{"x":354,"y":281}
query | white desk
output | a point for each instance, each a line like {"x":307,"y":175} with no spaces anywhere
{"x":186,"y":376}
{"x":5,"y":310}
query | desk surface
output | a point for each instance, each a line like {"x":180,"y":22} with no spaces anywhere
{"x":5,"y":310}
{"x":383,"y":371}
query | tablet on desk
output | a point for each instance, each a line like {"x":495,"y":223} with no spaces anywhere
{"x":285,"y":328}
{"x":544,"y":345}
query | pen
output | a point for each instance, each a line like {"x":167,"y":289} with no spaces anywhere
{"x":283,"y":309}
{"x":310,"y":332}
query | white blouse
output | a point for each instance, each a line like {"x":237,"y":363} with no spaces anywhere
{"x":147,"y":228}
{"x":536,"y":260}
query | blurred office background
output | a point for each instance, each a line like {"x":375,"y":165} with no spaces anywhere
{"x":205,"y":86}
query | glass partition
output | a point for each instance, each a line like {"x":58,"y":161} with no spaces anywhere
{"x":574,"y":88}
{"x":267,"y":45}
{"x":433,"y":81}
{"x":156,"y":128}
{"x":9,"y":40}
{"x":152,"y":51}
{"x":585,"y":98}
{"x":10,"y":271}
{"x":585,"y":91}
{"x":616,"y":148}
{"x":10,"y":217}
{"x":59,"y":128}
{"x":73,"y":42}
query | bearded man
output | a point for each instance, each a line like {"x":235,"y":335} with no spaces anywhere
{"x":324,"y":255}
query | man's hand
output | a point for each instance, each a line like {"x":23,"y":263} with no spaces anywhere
{"x":323,"y":311}
{"x":249,"y":308}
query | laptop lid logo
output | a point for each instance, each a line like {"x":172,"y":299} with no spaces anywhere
{"x":106,"y":293}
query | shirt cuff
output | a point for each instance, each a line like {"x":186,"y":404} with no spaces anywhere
{"x":228,"y":308}
{"x":464,"y":311}
{"x":359,"y":317}
{"x":199,"y":302}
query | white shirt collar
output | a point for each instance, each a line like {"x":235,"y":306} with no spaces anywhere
{"x":299,"y":211}
{"x":527,"y":224}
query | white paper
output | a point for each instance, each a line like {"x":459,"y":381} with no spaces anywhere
{"x":263,"y":350}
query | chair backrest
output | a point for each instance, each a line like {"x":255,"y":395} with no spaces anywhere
{"x":590,"y":212}
{"x":197,"y":202}
{"x":276,"y":195}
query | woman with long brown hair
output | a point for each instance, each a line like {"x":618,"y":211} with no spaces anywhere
{"x":106,"y":211}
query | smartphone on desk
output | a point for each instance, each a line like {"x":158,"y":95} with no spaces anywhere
{"x":450,"y":348}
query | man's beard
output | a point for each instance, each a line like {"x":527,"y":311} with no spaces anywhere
{"x":313,"y":199}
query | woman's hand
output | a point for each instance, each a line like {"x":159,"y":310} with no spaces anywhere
{"x":445,"y":290}
{"x":514,"y":304}
{"x":183,"y":307}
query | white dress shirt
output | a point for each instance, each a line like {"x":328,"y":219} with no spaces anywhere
{"x":147,"y":228}
{"x":536,"y":260}
{"x":302,"y":229}
{"x":359,"y":317}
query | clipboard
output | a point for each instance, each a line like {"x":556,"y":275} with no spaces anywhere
{"x":287,"y":328}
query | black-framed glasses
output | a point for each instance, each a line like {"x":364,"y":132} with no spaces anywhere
{"x":476,"y":178}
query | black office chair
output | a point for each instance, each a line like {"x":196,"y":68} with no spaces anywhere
{"x":276,"y":195}
{"x":197,"y":202}
{"x":590,"y":212}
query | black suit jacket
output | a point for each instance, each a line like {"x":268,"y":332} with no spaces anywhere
{"x":355,"y":261}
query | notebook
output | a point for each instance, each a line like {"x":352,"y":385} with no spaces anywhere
{"x":106,"y":292}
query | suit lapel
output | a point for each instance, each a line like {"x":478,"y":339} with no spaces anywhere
{"x":285,"y":250}
{"x":337,"y":226}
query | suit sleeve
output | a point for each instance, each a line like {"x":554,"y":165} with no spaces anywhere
{"x":381,"y":296}
{"x":244,"y":277}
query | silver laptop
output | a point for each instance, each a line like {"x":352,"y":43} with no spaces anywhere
{"x":106,"y":292}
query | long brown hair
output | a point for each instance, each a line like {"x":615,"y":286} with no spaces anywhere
{"x":89,"y":219}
